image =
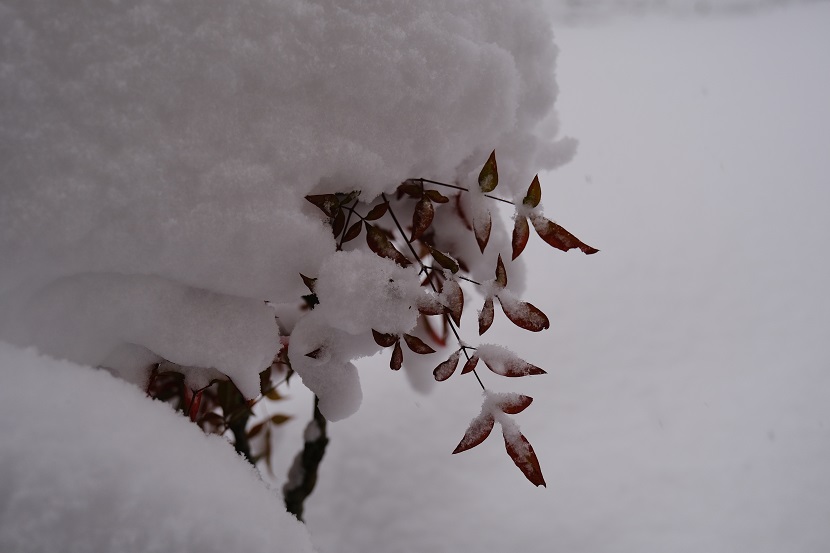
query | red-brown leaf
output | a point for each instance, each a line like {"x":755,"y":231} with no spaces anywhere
{"x":505,"y":363}
{"x":455,"y":299}
{"x":501,"y":274}
{"x":482,"y":227}
{"x":377,"y":212}
{"x":411,"y":188}
{"x":309,"y":282}
{"x":534,"y":193}
{"x":397,"y":357}
{"x":477,"y":432}
{"x":380,"y":244}
{"x":485,"y":316}
{"x":470,"y":365}
{"x":488,"y":179}
{"x":445,"y":369}
{"x":558,"y":237}
{"x":513,"y":404}
{"x":326,"y":202}
{"x":384,"y":340}
{"x":521,"y":232}
{"x":422,"y":218}
{"x":417,"y":345}
{"x":525,"y":315}
{"x":524,"y":457}
{"x":353,"y":232}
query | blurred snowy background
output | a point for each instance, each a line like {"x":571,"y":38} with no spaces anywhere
{"x":688,"y":403}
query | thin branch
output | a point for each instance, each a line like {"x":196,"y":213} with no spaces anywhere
{"x":456,"y":187}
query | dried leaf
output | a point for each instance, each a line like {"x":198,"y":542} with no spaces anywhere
{"x":525,"y":458}
{"x":558,"y":237}
{"x":470,"y":365}
{"x":488,"y":179}
{"x":524,"y":315}
{"x":521,"y":233}
{"x":481,"y":228}
{"x":309,"y":282}
{"x":501,"y":274}
{"x":353,"y":232}
{"x":193,"y":412}
{"x":422,"y":218}
{"x":477,"y":432}
{"x":485,"y":316}
{"x":507,"y":364}
{"x":436,"y":196}
{"x":327,"y":203}
{"x":417,"y":345}
{"x":411,"y":188}
{"x":380,"y":244}
{"x":444,"y":260}
{"x":513,"y":404}
{"x":534,"y":193}
{"x":377,"y":212}
{"x":454,"y":297}
{"x":339,"y":223}
{"x":445,"y":369}
{"x":397,"y":357}
{"x":384,"y":340}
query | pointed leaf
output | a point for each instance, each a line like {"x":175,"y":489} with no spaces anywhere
{"x":454,"y":297}
{"x":339,"y":223}
{"x":430,"y":305}
{"x":353,"y":232}
{"x":327,"y":203}
{"x":309,"y":282}
{"x":485,"y":316}
{"x":445,"y":369}
{"x":384,"y":340}
{"x":380,"y":244}
{"x":521,"y":232}
{"x":524,"y":315}
{"x":481,"y":228}
{"x":470,"y":365}
{"x":558,"y":237}
{"x":513,"y":404}
{"x":444,"y":260}
{"x":520,"y":450}
{"x":377,"y":212}
{"x":422,"y":218}
{"x":412,"y":188}
{"x":256,"y":429}
{"x":397,"y":357}
{"x":505,"y":363}
{"x":279,"y":419}
{"x":477,"y":432}
{"x":417,"y":345}
{"x":315,"y":354}
{"x":488,"y":179}
{"x":436,"y":196}
{"x":534,"y":193}
{"x":501,"y":274}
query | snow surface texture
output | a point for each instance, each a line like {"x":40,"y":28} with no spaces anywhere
{"x":155,"y":156}
{"x":129,"y":475}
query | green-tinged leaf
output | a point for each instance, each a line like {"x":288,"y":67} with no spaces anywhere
{"x":338,"y":223}
{"x":444,"y":260}
{"x":279,"y":419}
{"x":520,"y":450}
{"x":525,"y":315}
{"x":377,"y":212}
{"x":558,"y":237}
{"x":422,"y":218}
{"x":327,"y":203}
{"x":413,"y":189}
{"x":534,"y":193}
{"x":501,"y":273}
{"x":485,"y":316}
{"x":488,"y":179}
{"x":380,"y":244}
{"x":521,"y":233}
{"x":481,"y":228}
{"x":417,"y":345}
{"x":397,"y":357}
{"x":353,"y":232}
{"x":436,"y":196}
{"x":384,"y":340}
{"x":477,"y":432}
{"x":445,"y":369}
{"x":309,"y":282}
{"x":454,"y":297}
{"x":470,"y":365}
{"x":513,"y":404}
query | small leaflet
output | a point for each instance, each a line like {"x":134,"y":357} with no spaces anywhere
{"x":481,"y":228}
{"x":477,"y":432}
{"x":422,"y":218}
{"x":417,"y":345}
{"x":488,"y":179}
{"x":447,"y":368}
{"x":485,"y":316}
{"x":397,"y":357}
{"x":558,"y":237}
{"x":521,"y":234}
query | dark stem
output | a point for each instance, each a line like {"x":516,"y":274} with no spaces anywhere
{"x":302,"y":477}
{"x":465,"y":190}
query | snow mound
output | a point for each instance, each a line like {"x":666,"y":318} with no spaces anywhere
{"x":88,"y":464}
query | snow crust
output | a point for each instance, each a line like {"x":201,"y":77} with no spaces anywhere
{"x":155,"y":157}
{"x":89,"y":465}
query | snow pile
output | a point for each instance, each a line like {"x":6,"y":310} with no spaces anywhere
{"x":155,"y":156}
{"x":89,"y":465}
